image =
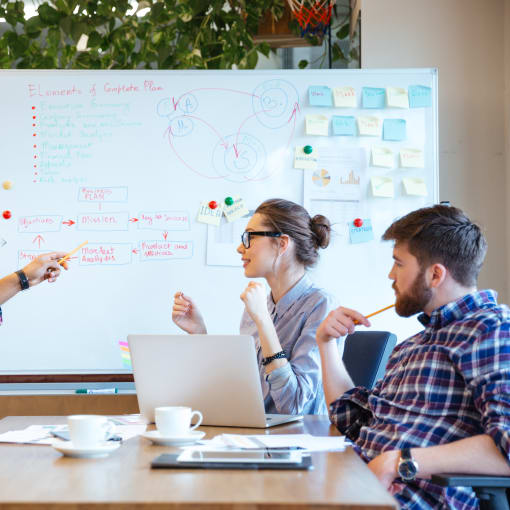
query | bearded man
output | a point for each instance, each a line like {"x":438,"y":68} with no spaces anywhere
{"x":443,"y":405}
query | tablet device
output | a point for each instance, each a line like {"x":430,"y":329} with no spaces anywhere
{"x":259,"y":456}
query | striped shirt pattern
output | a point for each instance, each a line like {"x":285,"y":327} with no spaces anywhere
{"x":449,"y":382}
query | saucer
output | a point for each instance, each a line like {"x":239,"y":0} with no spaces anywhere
{"x":156,"y":437}
{"x":70,"y":450}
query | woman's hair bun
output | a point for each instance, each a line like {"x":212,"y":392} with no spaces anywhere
{"x":321,"y":228}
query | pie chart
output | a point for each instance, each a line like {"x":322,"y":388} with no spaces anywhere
{"x":321,"y":178}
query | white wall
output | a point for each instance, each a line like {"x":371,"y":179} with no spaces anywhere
{"x":466,"y":40}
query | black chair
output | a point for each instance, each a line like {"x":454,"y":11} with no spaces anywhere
{"x":366,"y":354}
{"x":490,"y":490}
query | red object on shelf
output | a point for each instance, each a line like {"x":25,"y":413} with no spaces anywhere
{"x":6,"y":214}
{"x":213,"y":204}
{"x":358,"y":222}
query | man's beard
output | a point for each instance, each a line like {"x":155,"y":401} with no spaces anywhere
{"x":415,"y":300}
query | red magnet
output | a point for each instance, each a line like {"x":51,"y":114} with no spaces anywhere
{"x":6,"y":214}
{"x":213,"y":204}
{"x":358,"y":222}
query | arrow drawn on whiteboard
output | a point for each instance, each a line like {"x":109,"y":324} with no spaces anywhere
{"x":165,"y":235}
{"x":134,"y":250}
{"x":223,"y":142}
{"x":38,"y":238}
{"x":234,"y":145}
{"x":69,"y":223}
{"x":176,"y":103}
{"x":292,"y":118}
{"x":134,"y":220}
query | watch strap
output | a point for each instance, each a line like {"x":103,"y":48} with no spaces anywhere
{"x":278,"y":355}
{"x":23,"y":280}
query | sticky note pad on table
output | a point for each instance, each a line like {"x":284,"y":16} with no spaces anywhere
{"x":319,"y":96}
{"x":372,"y":97}
{"x":317,"y":125}
{"x":415,"y":186}
{"x":125,"y":354}
{"x":383,"y":156}
{"x":345,"y":97}
{"x":412,"y":158}
{"x":394,"y":130}
{"x":369,"y":126}
{"x":208,"y":215}
{"x":305,"y":161}
{"x":396,"y":97}
{"x":361,"y":234}
{"x":382,"y":186}
{"x":420,"y":96}
{"x":344,"y":125}
{"x":235,"y":211}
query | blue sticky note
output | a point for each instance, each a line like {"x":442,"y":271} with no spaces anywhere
{"x":320,"y":96}
{"x":344,"y":125}
{"x":419,"y":96}
{"x":394,"y":130}
{"x":372,"y":97}
{"x":361,"y":234}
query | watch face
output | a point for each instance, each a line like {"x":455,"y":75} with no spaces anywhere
{"x":407,"y":470}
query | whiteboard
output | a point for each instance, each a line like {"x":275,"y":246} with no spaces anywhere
{"x":124,"y":159}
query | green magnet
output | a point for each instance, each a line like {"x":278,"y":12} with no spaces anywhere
{"x":307,"y":149}
{"x":229,"y":200}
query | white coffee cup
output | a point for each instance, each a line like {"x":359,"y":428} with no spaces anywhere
{"x":89,"y":430}
{"x":176,"y":421}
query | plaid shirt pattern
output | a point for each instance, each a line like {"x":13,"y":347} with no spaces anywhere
{"x":448,"y":382}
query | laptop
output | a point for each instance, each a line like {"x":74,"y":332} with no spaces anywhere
{"x":217,"y":375}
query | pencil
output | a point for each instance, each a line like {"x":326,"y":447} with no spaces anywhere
{"x":72,"y":252}
{"x":375,"y":313}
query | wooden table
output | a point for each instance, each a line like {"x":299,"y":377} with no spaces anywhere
{"x":39,"y":476}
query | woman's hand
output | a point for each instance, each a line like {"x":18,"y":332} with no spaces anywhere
{"x":255,"y":300}
{"x":186,"y":315}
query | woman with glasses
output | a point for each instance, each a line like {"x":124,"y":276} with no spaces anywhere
{"x":280,"y":242}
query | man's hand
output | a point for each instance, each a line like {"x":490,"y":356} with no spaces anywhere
{"x":44,"y":267}
{"x":339,"y":322}
{"x":384,"y":466}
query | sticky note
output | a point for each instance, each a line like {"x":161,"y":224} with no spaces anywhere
{"x":361,"y":234}
{"x":235,"y":211}
{"x":420,"y":96}
{"x":372,"y":97}
{"x":415,"y":186}
{"x":208,"y":215}
{"x":125,"y":355}
{"x":305,"y":161}
{"x":369,"y":126}
{"x":345,"y":97}
{"x":382,"y":186}
{"x":396,"y":97}
{"x":383,"y":156}
{"x":319,"y":96}
{"x":344,"y":125}
{"x":317,"y":125}
{"x":394,"y":130}
{"x":412,"y":158}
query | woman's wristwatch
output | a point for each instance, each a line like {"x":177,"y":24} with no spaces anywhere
{"x":278,"y":355}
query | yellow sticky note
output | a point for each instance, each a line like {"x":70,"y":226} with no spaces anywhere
{"x":412,"y":158}
{"x":208,"y":215}
{"x":317,"y":125}
{"x":305,"y":161}
{"x":397,"y":97}
{"x":415,"y":186}
{"x":382,"y":186}
{"x":235,"y":211}
{"x":369,"y":126}
{"x":383,"y":156}
{"x":345,"y":97}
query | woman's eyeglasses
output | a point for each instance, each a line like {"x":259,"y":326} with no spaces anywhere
{"x":246,"y":236}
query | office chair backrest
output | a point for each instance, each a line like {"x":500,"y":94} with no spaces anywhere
{"x":366,"y":354}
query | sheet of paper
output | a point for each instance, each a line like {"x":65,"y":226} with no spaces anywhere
{"x":344,"y":125}
{"x":373,"y":97}
{"x":208,"y":215}
{"x":412,"y":158}
{"x":305,"y":161}
{"x":362,"y":234}
{"x":394,"y":130}
{"x":235,"y":211}
{"x":345,"y":97}
{"x":382,"y":186}
{"x":415,"y":186}
{"x":383,"y":156}
{"x":317,"y":125}
{"x":319,"y":96}
{"x":420,"y":96}
{"x":397,"y":97}
{"x":369,"y":126}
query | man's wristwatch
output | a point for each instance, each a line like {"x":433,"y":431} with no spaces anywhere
{"x":407,"y":466}
{"x":23,"y":280}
